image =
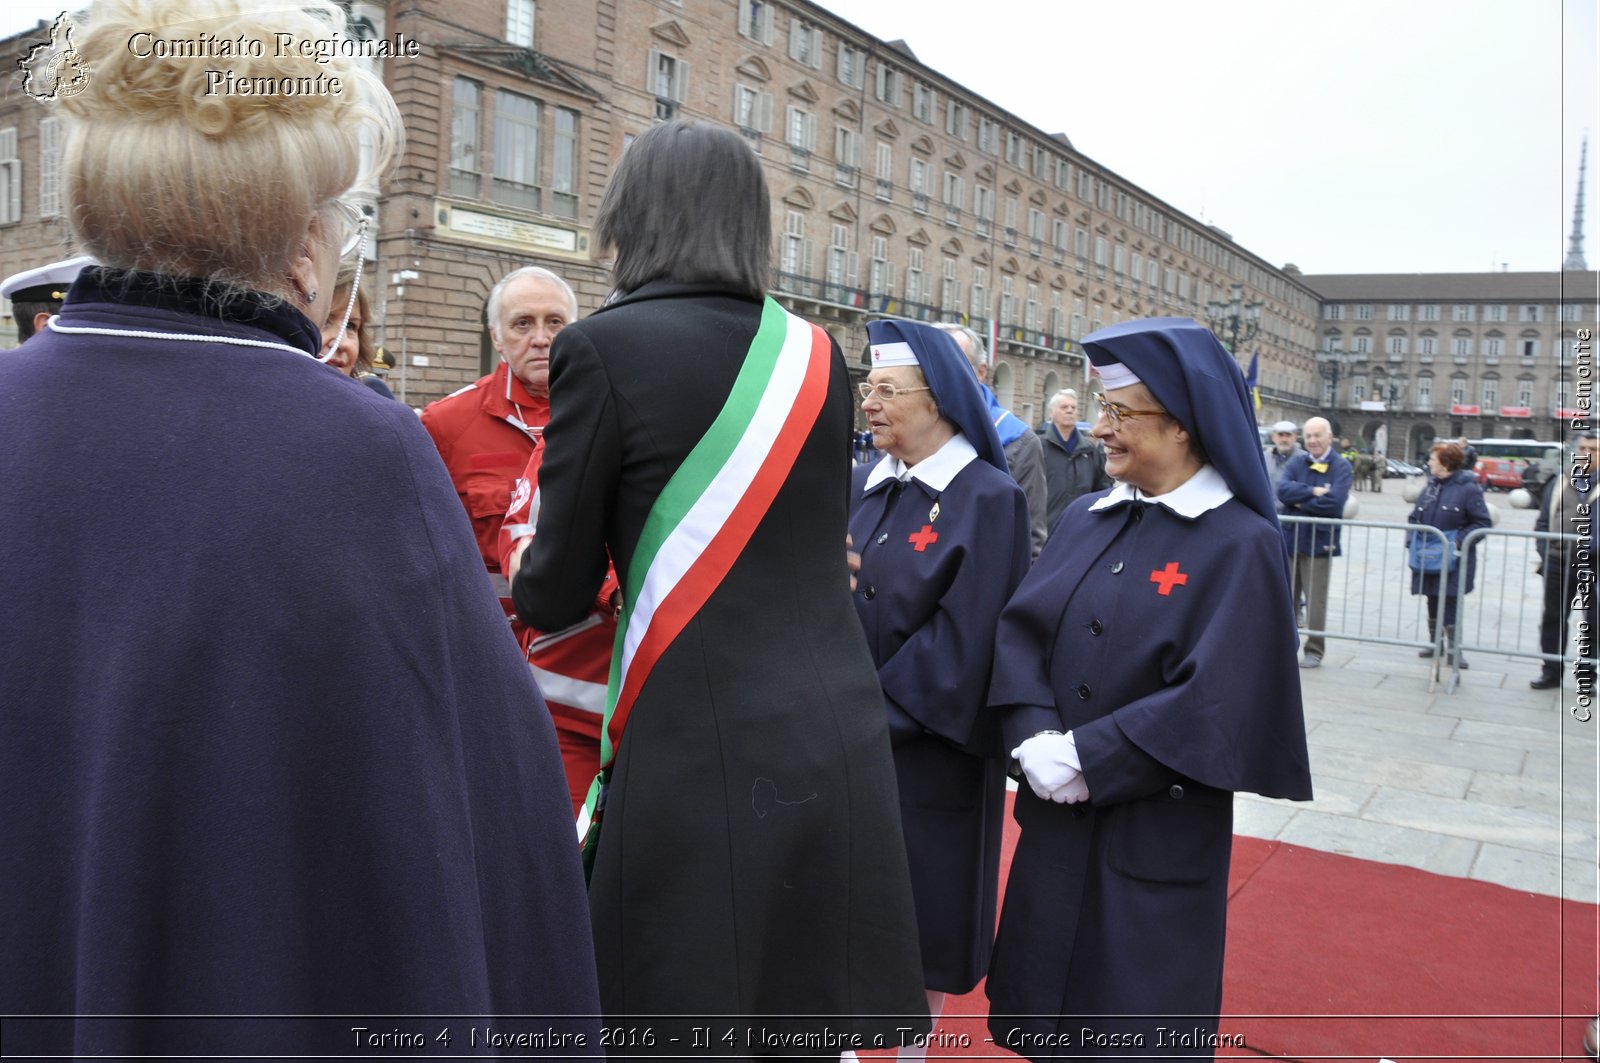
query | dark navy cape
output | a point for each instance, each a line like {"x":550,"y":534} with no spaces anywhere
{"x":1118,"y":906}
{"x":267,"y":747}
{"x":929,"y":617}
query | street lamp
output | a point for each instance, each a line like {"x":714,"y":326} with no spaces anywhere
{"x":1391,"y":393}
{"x":1330,"y":363}
{"x":1235,"y":322}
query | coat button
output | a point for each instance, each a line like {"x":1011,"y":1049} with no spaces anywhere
{"x":1138,"y":513}
{"x":1083,"y":691}
{"x":1176,"y":792}
{"x":869,"y":592}
{"x":1116,"y":568}
{"x":883,"y":538}
{"x":1096,"y":627}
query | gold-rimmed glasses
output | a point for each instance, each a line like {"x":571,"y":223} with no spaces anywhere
{"x":884,"y":392}
{"x":1116,"y":413}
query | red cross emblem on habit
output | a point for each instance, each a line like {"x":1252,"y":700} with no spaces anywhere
{"x":1169,"y":577}
{"x":922,"y":538}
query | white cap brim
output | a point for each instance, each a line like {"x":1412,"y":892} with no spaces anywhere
{"x":1116,"y":375}
{"x":887,"y":355}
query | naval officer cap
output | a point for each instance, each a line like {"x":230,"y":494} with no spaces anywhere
{"x":46,"y":284}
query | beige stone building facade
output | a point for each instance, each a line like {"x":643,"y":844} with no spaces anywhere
{"x":895,"y":191}
{"x":1484,"y":355}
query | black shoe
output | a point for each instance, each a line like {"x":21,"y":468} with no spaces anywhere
{"x":1545,"y":682}
{"x":1425,"y":653}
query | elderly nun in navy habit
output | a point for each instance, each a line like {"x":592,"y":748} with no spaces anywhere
{"x":943,"y":534}
{"x":1144,"y":671}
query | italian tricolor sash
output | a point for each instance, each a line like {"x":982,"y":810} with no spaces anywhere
{"x":706,"y":514}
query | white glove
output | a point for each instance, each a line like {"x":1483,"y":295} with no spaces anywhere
{"x":1050,"y":764}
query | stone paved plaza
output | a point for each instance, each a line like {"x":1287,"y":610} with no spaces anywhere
{"x":1493,"y":781}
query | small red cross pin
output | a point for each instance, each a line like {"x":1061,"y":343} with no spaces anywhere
{"x":922,"y":538}
{"x":1169,"y":577}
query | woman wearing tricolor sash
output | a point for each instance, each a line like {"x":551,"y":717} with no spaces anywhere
{"x":943,"y":532}
{"x":748,"y":869}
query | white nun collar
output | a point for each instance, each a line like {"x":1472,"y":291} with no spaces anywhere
{"x":1200,"y":493}
{"x":936,"y":470}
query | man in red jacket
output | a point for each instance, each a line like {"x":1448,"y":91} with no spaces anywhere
{"x":490,"y":434}
{"x":486,"y":431}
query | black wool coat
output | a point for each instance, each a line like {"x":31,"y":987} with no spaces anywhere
{"x":750,"y":860}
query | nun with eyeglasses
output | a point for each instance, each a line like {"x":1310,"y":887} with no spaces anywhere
{"x":944,"y":538}
{"x":1144,"y":672}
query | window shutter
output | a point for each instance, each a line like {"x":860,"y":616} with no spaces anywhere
{"x":49,"y":167}
{"x":652,"y":63}
{"x":680,"y":80}
{"x":766,"y":112}
{"x":11,"y":182}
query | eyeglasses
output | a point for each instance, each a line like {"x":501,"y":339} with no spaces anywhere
{"x":352,"y":223}
{"x":1116,"y":413}
{"x":884,"y":392}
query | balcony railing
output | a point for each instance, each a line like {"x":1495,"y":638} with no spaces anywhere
{"x":885,"y":189}
{"x":846,"y":176}
{"x":817,"y":288}
{"x":919,"y":202}
{"x":799,"y":158}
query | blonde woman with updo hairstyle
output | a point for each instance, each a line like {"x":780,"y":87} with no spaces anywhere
{"x":254,"y":768}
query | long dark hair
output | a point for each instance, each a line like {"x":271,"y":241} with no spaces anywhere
{"x":688,"y":202}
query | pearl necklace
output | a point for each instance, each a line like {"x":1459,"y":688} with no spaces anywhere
{"x":235,"y":341}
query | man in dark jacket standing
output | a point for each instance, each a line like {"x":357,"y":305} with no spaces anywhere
{"x":1073,"y":464}
{"x":1568,"y":575}
{"x":1315,"y":483}
{"x":1023,"y":453}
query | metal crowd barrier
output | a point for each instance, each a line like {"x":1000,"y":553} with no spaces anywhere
{"x":1509,"y":595}
{"x":1370,"y":599}
{"x":1369,"y":585}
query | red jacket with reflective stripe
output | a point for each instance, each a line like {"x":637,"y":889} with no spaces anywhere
{"x":572,"y":665}
{"x":478,"y":435}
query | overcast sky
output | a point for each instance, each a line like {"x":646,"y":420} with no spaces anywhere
{"x":1368,"y":136}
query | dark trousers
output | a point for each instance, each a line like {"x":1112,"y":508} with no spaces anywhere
{"x":1433,"y":611}
{"x":1560,"y":586}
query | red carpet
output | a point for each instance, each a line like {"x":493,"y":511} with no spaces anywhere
{"x":1335,"y":958}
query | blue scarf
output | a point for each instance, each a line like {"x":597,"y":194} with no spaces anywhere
{"x":1007,"y":425}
